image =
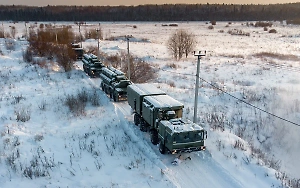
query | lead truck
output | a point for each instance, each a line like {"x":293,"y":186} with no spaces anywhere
{"x":161,"y":115}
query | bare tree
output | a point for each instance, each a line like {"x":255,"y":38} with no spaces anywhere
{"x":181,"y":42}
{"x":140,"y":71}
{"x":2,"y":32}
{"x":64,"y":57}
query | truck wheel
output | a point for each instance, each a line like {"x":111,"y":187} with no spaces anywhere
{"x":102,"y":86}
{"x":143,"y":126}
{"x":154,"y":137}
{"x":136,"y":119}
{"x":111,"y":94}
{"x":116,"y":97}
{"x":162,"y":148}
{"x":106,"y":90}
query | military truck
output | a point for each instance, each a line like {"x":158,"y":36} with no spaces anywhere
{"x":91,"y":65}
{"x":114,"y":82}
{"x":78,"y":50}
{"x":161,"y":115}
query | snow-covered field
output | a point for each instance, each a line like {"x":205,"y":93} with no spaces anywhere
{"x":246,"y":147}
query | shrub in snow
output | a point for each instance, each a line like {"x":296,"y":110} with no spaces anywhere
{"x":75,"y":104}
{"x":53,"y":44}
{"x":238,"y":144}
{"x":295,"y":22}
{"x":263,"y":24}
{"x":238,"y":32}
{"x":272,"y":31}
{"x":171,"y":83}
{"x":10,"y":44}
{"x":116,"y":60}
{"x":17,"y":99}
{"x":65,"y":57}
{"x":213,"y":22}
{"x":43,"y":105}
{"x":28,"y":55}
{"x":23,"y":113}
{"x":94,"y":98}
{"x":210,"y":27}
{"x":38,"y":137}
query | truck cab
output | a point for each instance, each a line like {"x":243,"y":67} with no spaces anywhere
{"x":178,"y":135}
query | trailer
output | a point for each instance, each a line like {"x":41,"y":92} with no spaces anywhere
{"x":91,"y":65}
{"x":114,"y":82}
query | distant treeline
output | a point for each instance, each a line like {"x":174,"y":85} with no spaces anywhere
{"x":167,"y":12}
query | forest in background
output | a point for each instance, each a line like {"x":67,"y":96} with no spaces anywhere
{"x":166,"y":12}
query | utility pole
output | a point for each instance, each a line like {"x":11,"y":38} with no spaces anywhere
{"x":98,"y":52}
{"x":80,"y":35}
{"x":26,"y":37}
{"x":199,"y":55}
{"x":127,"y":37}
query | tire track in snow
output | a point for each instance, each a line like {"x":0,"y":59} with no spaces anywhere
{"x":201,"y":171}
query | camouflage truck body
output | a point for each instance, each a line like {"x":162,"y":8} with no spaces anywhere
{"x":91,"y":65}
{"x":178,"y":135}
{"x":114,"y":83}
{"x":161,"y":115}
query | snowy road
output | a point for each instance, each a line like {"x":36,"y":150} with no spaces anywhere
{"x":186,"y":174}
{"x":203,"y":170}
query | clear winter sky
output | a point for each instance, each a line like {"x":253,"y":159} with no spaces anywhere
{"x":135,"y":2}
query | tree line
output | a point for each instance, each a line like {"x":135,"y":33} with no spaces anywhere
{"x":166,"y":12}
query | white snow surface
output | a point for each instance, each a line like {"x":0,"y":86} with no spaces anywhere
{"x":103,"y":148}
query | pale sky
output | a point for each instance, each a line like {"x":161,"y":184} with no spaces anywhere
{"x":134,"y":2}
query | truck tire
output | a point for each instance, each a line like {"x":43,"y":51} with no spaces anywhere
{"x":106,"y":90}
{"x":136,"y":119}
{"x":143,"y":126}
{"x":102,"y":86}
{"x":162,"y":148}
{"x":116,"y":97}
{"x":154,"y":137}
{"x":111,"y":94}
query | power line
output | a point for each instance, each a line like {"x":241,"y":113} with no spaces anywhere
{"x":243,"y":101}
{"x":249,"y":103}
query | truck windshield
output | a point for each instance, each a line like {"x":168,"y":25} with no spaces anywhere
{"x":184,"y":137}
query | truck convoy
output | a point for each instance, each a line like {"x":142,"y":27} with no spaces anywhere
{"x":161,"y":115}
{"x":91,"y":65}
{"x":114,"y":82}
